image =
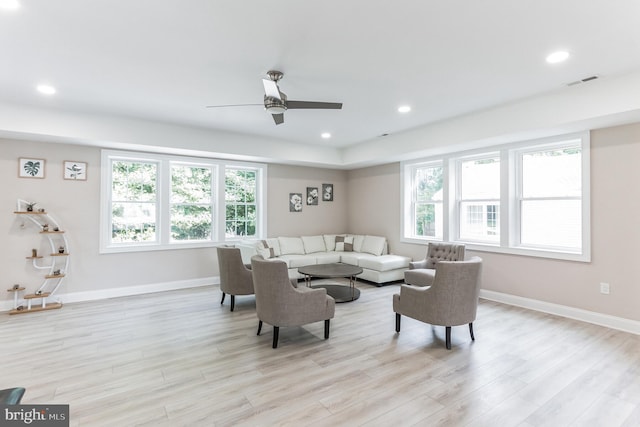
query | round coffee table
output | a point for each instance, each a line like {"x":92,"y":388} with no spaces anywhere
{"x":340,"y":293}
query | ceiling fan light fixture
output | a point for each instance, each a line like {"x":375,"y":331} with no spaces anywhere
{"x":274,"y":105}
{"x":275,"y":109}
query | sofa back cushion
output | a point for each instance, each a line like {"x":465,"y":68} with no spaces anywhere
{"x":358,"y":239}
{"x":268,"y":248}
{"x":313,"y":244}
{"x":291,"y":245}
{"x":344,"y":243}
{"x":373,"y":245}
{"x":330,"y":241}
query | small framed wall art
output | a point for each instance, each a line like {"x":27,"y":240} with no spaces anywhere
{"x":312,"y":196}
{"x":327,"y":192}
{"x":76,"y":171}
{"x":30,"y":168}
{"x":295,"y":202}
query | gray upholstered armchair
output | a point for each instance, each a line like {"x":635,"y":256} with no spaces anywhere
{"x":421,"y":273}
{"x":280,"y":304}
{"x":452,"y":299}
{"x":235,"y":277}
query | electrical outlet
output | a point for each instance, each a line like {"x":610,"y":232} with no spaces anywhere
{"x":604,"y":288}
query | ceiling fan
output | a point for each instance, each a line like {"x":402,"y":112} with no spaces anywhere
{"x":276,"y":102}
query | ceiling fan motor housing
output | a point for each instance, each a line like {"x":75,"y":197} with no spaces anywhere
{"x":275,"y":75}
{"x":275,"y":105}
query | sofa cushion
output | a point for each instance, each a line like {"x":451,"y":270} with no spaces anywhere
{"x":327,"y":257}
{"x":330,"y":241}
{"x":373,"y":245}
{"x":354,"y":258}
{"x":291,"y":245}
{"x":344,"y":243}
{"x":268,"y":248}
{"x":357,"y":242}
{"x":420,"y":277}
{"x":295,"y":261}
{"x":384,"y":262}
{"x":267,"y":253}
{"x":313,"y":244}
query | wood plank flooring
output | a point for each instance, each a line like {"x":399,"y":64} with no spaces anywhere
{"x":181,"y":359}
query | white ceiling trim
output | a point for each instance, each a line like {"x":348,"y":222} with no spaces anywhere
{"x":597,"y":104}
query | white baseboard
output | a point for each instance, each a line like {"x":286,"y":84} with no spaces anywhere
{"x":613,"y":322}
{"x":126,"y":291}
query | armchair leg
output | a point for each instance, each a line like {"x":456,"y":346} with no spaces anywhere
{"x":398,"y":317}
{"x":233,"y":302}
{"x":471,"y":331}
{"x":276,"y":329}
{"x":222,"y":301}
{"x":326,"y":328}
{"x":259,"y":326}
{"x":448,"y":337}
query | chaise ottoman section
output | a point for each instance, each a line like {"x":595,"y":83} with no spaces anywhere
{"x":383,"y":268}
{"x":384,"y":262}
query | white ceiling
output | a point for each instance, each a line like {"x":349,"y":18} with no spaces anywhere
{"x":166,"y":60}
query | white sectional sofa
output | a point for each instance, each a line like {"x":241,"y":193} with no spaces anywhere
{"x":368,"y":252}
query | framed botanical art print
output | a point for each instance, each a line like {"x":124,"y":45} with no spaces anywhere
{"x":312,"y":195}
{"x":295,"y":202}
{"x":327,"y":192}
{"x":76,"y":171}
{"x":30,"y":168}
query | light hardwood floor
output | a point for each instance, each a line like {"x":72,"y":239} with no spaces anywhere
{"x":180,"y":358}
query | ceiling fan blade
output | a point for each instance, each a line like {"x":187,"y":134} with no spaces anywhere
{"x":232,"y":105}
{"x":292,"y":105}
{"x":278,"y":118}
{"x":271,"y":89}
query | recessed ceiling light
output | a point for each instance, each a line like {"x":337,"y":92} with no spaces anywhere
{"x":556,"y":57}
{"x":46,"y":89}
{"x":9,"y":4}
{"x":325,"y":135}
{"x":404,"y":109}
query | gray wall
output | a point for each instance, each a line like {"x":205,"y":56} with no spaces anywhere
{"x":367,"y":201}
{"x":615,"y":232}
{"x":326,"y":217}
{"x":76,"y":207}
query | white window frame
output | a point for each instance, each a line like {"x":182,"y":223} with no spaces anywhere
{"x":408,"y":184}
{"x":509,"y":192}
{"x":457,"y":208}
{"x":212,"y":201}
{"x":259,"y":196}
{"x":163,"y":222}
{"x":517,"y":190}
